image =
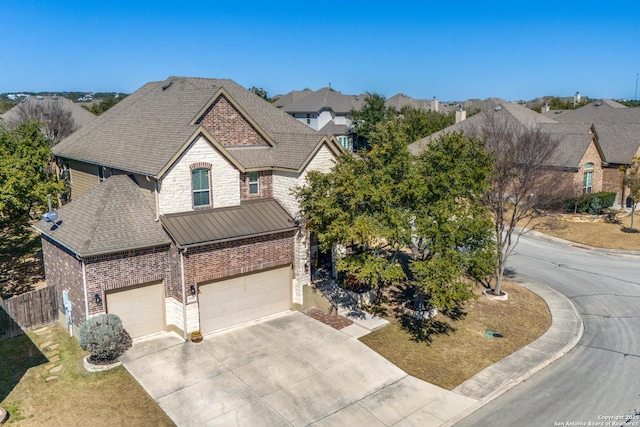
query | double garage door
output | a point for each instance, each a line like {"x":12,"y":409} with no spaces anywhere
{"x":240,"y":299}
{"x":141,"y":308}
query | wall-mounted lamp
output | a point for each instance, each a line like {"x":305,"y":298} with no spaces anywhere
{"x":306,"y":267}
{"x":192,"y":289}
{"x":98,"y":299}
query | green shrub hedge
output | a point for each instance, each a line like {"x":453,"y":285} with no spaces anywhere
{"x":591,"y":203}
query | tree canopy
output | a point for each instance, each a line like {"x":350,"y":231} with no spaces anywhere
{"x":26,"y":176}
{"x":385,"y":200}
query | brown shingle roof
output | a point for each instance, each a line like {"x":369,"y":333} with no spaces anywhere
{"x":605,"y":111}
{"x":251,"y":218}
{"x":620,"y":142}
{"x":113,"y":216}
{"x":144,"y":131}
{"x":325,"y":99}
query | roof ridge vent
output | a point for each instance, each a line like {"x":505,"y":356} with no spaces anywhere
{"x":167,"y":85}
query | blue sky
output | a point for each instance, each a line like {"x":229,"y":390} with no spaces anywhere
{"x":453,"y":50}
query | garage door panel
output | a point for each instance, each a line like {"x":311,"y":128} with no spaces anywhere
{"x":141,"y":309}
{"x":241,"y":299}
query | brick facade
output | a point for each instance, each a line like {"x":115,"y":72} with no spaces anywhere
{"x":228,"y":126}
{"x":612,"y":181}
{"x":124,"y":269}
{"x":64,"y":270}
{"x":220,"y":260}
{"x":265,"y":186}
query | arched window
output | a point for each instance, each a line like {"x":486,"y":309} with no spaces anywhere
{"x":587,"y":178}
{"x":200,"y":186}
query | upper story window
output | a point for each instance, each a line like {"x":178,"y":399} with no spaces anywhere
{"x":254,"y":183}
{"x":200,"y":186}
{"x":587,"y":178}
{"x":308,"y":119}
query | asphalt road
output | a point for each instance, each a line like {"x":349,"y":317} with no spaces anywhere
{"x":599,"y":380}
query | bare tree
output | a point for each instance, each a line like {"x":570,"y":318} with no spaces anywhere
{"x":520,"y":154}
{"x":631,"y":179}
{"x":56,"y":120}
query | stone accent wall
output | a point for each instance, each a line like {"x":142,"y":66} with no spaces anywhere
{"x":124,"y":269}
{"x":265,"y":186}
{"x":220,"y":260}
{"x":64,"y":270}
{"x":283,"y":184}
{"x":175,"y":190}
{"x":228,"y":126}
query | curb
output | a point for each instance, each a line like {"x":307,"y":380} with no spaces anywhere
{"x":561,"y":351}
{"x":613,"y":252}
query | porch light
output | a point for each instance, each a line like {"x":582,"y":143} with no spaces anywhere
{"x":98,"y":299}
{"x":192,"y":289}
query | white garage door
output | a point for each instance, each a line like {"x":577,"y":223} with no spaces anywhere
{"x":141,"y":308}
{"x":240,"y":299}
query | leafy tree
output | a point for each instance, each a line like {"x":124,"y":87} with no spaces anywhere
{"x":453,"y":229}
{"x":382,"y":200}
{"x":103,"y":105}
{"x":418,"y":124}
{"x":25,"y":172}
{"x":631,"y":180}
{"x":104,"y":337}
{"x":518,"y":180}
{"x":362,"y":203}
{"x":365,"y":120}
{"x":262,"y":93}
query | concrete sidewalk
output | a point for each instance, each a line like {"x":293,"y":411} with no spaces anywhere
{"x":293,"y":370}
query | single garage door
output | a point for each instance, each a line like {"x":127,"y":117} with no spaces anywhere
{"x":240,"y":299}
{"x":141,"y":308}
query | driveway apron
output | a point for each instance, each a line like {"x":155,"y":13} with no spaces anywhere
{"x":287,"y":370}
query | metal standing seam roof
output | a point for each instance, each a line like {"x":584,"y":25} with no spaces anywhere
{"x":251,"y":218}
{"x":144,"y":131}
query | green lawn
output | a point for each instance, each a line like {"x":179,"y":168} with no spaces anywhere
{"x":43,"y":382}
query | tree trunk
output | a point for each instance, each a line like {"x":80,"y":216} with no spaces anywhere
{"x":633,"y":212}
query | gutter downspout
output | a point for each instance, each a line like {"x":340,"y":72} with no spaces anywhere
{"x":184,"y":296}
{"x":157,"y":200}
{"x":84,"y":285}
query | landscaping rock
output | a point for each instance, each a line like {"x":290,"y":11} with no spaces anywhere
{"x":53,"y":347}
{"x":52,"y":353}
{"x":41,"y":331}
{"x":49,"y":366}
{"x":56,"y":369}
{"x":51,"y":378}
{"x":3,"y":415}
{"x":47,"y":344}
{"x":54,"y":359}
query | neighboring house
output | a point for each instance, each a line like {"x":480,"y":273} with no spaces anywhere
{"x":325,"y":110}
{"x":617,"y":129}
{"x":80,"y":116}
{"x":577,"y":162}
{"x":182,"y":216}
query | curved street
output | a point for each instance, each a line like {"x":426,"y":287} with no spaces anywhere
{"x":599,"y":380}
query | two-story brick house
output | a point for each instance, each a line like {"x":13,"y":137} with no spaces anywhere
{"x":182,"y":214}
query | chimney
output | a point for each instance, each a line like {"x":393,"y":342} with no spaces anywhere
{"x":460,"y":114}
{"x":545,"y":108}
{"x":434,"y":105}
{"x":576,"y":99}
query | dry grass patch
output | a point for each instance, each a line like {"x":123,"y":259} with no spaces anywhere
{"x":578,"y":228}
{"x":76,"y":397}
{"x":447,"y":352}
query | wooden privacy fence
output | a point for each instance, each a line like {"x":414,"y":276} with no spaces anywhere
{"x":28,"y":311}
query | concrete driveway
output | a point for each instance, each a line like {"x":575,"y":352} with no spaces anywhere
{"x":286,"y":370}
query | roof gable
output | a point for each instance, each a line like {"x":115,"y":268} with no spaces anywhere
{"x":147,"y":130}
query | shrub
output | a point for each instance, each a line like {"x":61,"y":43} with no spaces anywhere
{"x":104,"y":337}
{"x":591,"y":203}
